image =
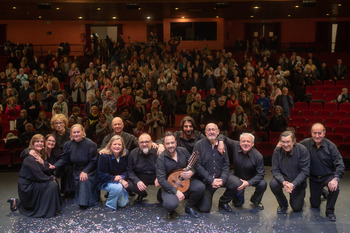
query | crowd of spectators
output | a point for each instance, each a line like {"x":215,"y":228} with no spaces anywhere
{"x":146,"y":85}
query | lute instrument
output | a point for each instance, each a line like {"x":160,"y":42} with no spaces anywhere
{"x":175,"y":178}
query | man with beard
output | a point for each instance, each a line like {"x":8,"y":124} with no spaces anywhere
{"x":141,"y":169}
{"x":175,"y":158}
{"x":213,"y":169}
{"x":188,"y":136}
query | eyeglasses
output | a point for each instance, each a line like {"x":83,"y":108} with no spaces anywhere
{"x":59,"y":123}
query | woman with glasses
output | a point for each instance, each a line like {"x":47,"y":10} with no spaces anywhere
{"x":112,"y":172}
{"x":61,"y":133}
{"x":39,"y":194}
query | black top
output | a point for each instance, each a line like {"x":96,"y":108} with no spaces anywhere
{"x":109,"y":167}
{"x":293,"y":167}
{"x":183,"y":142}
{"x":61,"y":139}
{"x":130,"y":141}
{"x":250,"y":166}
{"x":165,"y":165}
{"x":325,"y":160}
{"x":211,"y":164}
{"x":140,"y":163}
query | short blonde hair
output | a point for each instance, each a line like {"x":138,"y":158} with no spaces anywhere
{"x":59,"y":117}
{"x":81,"y":128}
{"x":107,"y":149}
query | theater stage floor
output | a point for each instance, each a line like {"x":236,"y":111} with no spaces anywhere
{"x":150,"y":217}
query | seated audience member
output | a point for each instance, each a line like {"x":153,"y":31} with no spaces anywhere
{"x":76,"y":116}
{"x":111,"y":169}
{"x":339,"y":71}
{"x":138,"y":113}
{"x":232,"y":103}
{"x":285,"y":101}
{"x":78,"y":91}
{"x":245,"y":102}
{"x":239,"y":122}
{"x":63,"y":106}
{"x":264,"y":103}
{"x":32,"y":106}
{"x":141,"y":169}
{"x":125,"y":100}
{"x":91,"y":101}
{"x":156,"y":122}
{"x":42,"y":199}
{"x":260,"y":122}
{"x":108,"y":100}
{"x":221,"y":116}
{"x":108,"y":113}
{"x":42,"y":124}
{"x":128,"y":120}
{"x":27,"y":135}
{"x":344,"y":96}
{"x":12,"y":112}
{"x":22,"y":120}
{"x":152,"y":99}
{"x":196,"y":106}
{"x":139,"y":129}
{"x":276,"y":91}
{"x":203,"y":118}
{"x":82,"y":153}
{"x":49,"y":97}
{"x":190,"y":99}
{"x":92,"y":121}
{"x":103,"y":128}
{"x":278,"y":122}
{"x":25,"y":91}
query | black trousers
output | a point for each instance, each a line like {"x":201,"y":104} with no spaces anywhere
{"x":231,"y":185}
{"x":146,"y":179}
{"x":316,"y":186}
{"x":194,"y":195}
{"x":257,"y":196}
{"x":296,"y":197}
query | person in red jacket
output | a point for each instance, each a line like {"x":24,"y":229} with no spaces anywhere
{"x":12,"y":112}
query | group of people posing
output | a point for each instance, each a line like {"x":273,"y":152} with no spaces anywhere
{"x":125,"y":165}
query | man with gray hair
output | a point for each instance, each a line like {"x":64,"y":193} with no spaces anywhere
{"x":290,"y":169}
{"x":248,"y":165}
{"x":326,"y":169}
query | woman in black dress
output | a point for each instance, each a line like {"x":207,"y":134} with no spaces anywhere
{"x":82,"y":153}
{"x":61,"y":133}
{"x":38,"y":191}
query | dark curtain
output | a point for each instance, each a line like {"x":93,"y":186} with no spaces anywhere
{"x":88,"y":36}
{"x":2,"y":37}
{"x":120,"y":30}
{"x":324,"y":36}
{"x":343,"y":37}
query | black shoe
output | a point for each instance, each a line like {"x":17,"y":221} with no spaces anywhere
{"x":282,"y":209}
{"x":159,"y":196}
{"x":324,"y":193}
{"x":225,"y":207}
{"x":13,"y":203}
{"x":331,"y":217}
{"x":140,"y":198}
{"x":258,"y":205}
{"x":191,"y":212}
{"x":83,"y":207}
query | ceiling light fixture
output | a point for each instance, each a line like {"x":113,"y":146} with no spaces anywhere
{"x":327,"y":14}
{"x":339,"y":5}
{"x":39,"y":17}
{"x":58,"y":8}
{"x":252,"y":16}
{"x":98,"y":9}
{"x":256,"y":7}
{"x":114,"y":17}
{"x":217,"y":16}
{"x":182,"y":17}
{"x":80,"y":17}
{"x":176,"y":8}
{"x":139,"y":8}
{"x":14,"y":7}
{"x":289,"y":15}
{"x":296,"y":6}
{"x":148,"y":17}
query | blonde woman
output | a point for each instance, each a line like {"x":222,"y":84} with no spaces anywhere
{"x":82,"y":153}
{"x":112,"y":171}
{"x":39,"y":194}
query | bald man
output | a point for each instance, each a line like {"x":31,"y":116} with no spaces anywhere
{"x":326,"y":168}
{"x":118,"y":127}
